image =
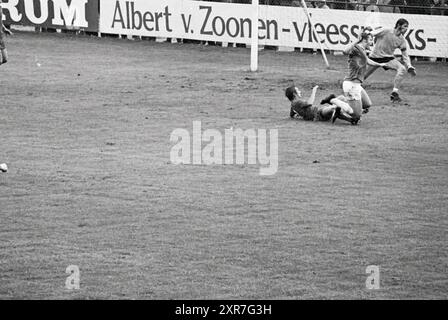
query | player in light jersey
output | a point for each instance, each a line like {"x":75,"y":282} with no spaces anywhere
{"x":387,"y":41}
{"x":301,"y":108}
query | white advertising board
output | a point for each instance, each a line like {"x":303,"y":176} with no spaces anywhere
{"x":278,"y":26}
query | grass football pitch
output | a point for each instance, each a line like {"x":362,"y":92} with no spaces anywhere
{"x":85,"y":129}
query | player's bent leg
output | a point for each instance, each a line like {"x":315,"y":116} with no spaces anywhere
{"x":399,"y":68}
{"x":340,"y":101}
{"x":326,"y":113}
{"x":401,"y":71}
{"x":344,"y":116}
{"x":399,"y":76}
{"x":3,"y":56}
{"x":352,"y":91}
{"x":357,"y":109}
{"x":365,"y":100}
{"x":344,"y":105}
{"x":328,"y":99}
{"x":331,"y":113}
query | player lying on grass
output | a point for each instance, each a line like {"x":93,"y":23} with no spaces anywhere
{"x":301,"y":108}
{"x":355,"y":94}
{"x":387,"y":40}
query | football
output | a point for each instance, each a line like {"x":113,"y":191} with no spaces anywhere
{"x":3,"y":167}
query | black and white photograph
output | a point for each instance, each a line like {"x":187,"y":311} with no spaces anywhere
{"x":249,"y":151}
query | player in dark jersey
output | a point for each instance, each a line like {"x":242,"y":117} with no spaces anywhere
{"x":305,"y":109}
{"x":355,"y":94}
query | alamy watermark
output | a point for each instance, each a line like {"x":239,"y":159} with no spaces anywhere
{"x":73,"y":280}
{"x":373,"y":279}
{"x":228,"y":147}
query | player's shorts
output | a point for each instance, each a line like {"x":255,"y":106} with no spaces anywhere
{"x":319,"y":116}
{"x":313,"y":113}
{"x":308,"y":113}
{"x":352,"y":90}
{"x":383,"y":60}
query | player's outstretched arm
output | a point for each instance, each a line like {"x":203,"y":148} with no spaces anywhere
{"x":350,"y":47}
{"x":377,"y":31}
{"x":313,"y":95}
{"x":373,"y":63}
{"x":407,"y":62}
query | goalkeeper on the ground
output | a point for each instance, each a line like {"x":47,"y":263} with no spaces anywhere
{"x":306,"y":110}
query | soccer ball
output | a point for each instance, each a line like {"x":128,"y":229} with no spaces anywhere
{"x":3,"y":167}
